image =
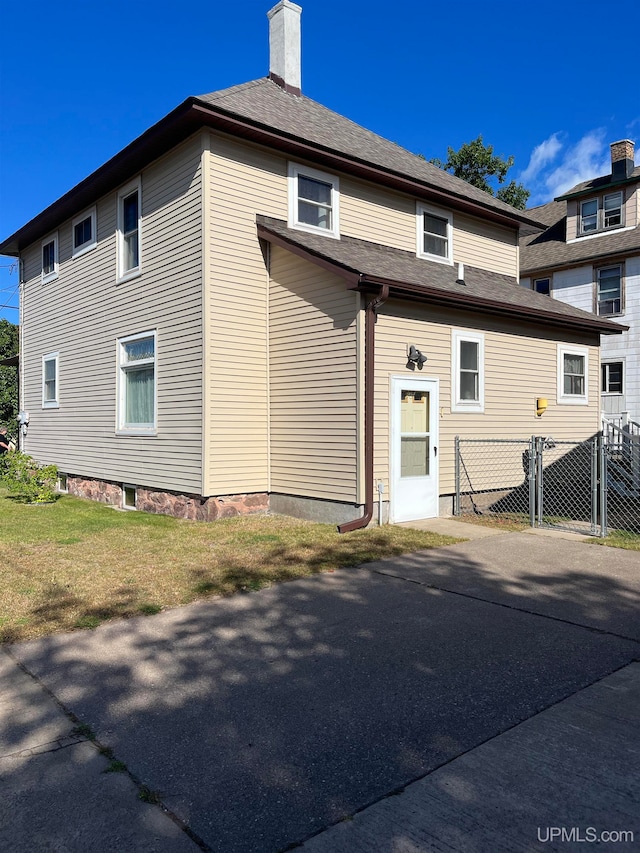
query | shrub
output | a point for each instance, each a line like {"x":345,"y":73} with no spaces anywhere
{"x":27,"y":480}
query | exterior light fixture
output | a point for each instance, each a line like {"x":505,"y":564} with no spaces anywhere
{"x":415,"y":358}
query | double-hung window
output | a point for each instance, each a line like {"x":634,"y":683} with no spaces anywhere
{"x":313,"y":201}
{"x":50,"y":381}
{"x":435,"y":234}
{"x":612,"y":377}
{"x":137,"y":383}
{"x":129,"y":230}
{"x":573,"y":373}
{"x":50,"y":258}
{"x":600,"y":214}
{"x":609,"y":291}
{"x":83,"y":230}
{"x":467,"y":371}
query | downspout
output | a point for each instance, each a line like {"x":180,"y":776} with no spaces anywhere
{"x":369,"y":411}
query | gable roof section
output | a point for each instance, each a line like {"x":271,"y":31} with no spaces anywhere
{"x":366,"y":265}
{"x":262,"y":112}
{"x":546,"y":250}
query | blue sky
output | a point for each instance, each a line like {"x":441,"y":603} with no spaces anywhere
{"x":552,"y":83}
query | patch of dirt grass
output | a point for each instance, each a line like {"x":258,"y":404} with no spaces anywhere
{"x":511,"y":523}
{"x":76,"y":564}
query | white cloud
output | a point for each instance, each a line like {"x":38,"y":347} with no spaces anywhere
{"x":541,"y":156}
{"x":549,"y":176}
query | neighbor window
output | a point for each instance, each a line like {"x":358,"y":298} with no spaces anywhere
{"x":542,"y":285}
{"x":129,"y":207}
{"x":435,"y":229}
{"x":612,"y":375}
{"x":609,"y":291}
{"x":50,"y":381}
{"x":598,"y":214}
{"x":313,"y":200}
{"x":468,"y":372}
{"x":137,"y":383}
{"x":573,"y":365}
{"x":84,"y":232}
{"x":50,"y":258}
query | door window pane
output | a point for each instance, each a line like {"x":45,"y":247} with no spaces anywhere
{"x":414,"y":441}
{"x":414,"y":457}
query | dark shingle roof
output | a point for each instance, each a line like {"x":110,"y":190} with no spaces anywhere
{"x":493,"y":293}
{"x":598,"y":184}
{"x":265,"y":102}
{"x":543,"y":250}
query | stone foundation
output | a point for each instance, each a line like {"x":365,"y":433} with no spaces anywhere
{"x":179,"y":505}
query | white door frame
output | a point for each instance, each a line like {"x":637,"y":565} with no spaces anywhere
{"x":414,"y":383}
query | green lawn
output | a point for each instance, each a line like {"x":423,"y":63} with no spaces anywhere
{"x":76,"y":563}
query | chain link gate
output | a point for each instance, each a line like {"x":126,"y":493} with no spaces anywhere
{"x":543,"y":482}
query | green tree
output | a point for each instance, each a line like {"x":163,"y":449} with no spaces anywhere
{"x":476,"y":164}
{"x":8,"y":377}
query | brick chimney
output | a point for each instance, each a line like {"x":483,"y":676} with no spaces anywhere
{"x":622,"y":159}
{"x":284,"y":46}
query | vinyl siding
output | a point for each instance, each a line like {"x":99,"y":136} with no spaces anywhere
{"x":83,"y":313}
{"x":520,"y":366}
{"x":368,"y":212}
{"x":313,"y":377}
{"x":243,"y":181}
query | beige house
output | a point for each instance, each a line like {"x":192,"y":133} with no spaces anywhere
{"x":260,"y":304}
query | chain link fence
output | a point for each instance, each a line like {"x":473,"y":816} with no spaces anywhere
{"x":588,"y":486}
{"x":494,"y":477}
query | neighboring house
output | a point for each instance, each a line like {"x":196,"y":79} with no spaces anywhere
{"x":589,"y":257}
{"x":219,"y":319}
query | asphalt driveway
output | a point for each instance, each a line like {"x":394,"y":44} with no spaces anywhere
{"x":261,"y":719}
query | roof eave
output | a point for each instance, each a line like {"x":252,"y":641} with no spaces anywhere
{"x":603,"y":188}
{"x":357,"y":280}
{"x":423,"y":293}
{"x":186,"y":119}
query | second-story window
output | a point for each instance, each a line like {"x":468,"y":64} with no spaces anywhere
{"x":599,"y":214}
{"x":313,"y":201}
{"x":50,"y":258}
{"x":84,"y":232}
{"x":129,"y":206}
{"x":609,"y":290}
{"x":435,"y":234}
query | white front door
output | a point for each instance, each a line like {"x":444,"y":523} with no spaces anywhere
{"x":414,"y":448}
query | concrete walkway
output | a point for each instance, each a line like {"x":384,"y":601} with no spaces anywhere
{"x":257,"y":722}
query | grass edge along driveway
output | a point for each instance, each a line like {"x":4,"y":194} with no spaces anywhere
{"x":77,"y":563}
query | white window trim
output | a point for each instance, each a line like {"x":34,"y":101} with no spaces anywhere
{"x":421,"y":209}
{"x":46,"y":277}
{"x":457,"y":404}
{"x":294,"y":170}
{"x":122,"y":274}
{"x":572,"y":399}
{"x":51,"y":404}
{"x":121,"y":428}
{"x":85,"y":247}
{"x":621,"y":361}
